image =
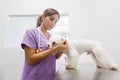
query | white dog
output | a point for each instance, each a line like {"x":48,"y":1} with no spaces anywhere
{"x":77,"y":47}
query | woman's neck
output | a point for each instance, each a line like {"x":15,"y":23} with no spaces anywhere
{"x":42,"y":28}
{"x":44,"y":31}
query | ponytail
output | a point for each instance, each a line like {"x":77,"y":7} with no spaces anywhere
{"x":39,"y":21}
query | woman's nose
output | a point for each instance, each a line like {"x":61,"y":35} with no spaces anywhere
{"x":53,"y":23}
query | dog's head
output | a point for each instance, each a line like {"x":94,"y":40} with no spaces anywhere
{"x":54,"y":40}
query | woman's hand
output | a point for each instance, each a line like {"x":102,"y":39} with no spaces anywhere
{"x":62,"y":45}
{"x":58,"y":54}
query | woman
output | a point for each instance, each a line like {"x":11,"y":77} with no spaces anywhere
{"x":39,"y":59}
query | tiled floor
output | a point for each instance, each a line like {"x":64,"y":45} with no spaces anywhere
{"x":87,"y":72}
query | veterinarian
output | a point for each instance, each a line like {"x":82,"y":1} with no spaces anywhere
{"x":40,"y":61}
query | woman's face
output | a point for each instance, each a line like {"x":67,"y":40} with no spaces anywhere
{"x":50,"y":21}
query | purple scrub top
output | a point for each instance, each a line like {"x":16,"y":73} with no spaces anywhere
{"x":44,"y":70}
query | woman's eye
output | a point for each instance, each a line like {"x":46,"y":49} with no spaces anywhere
{"x":51,"y":18}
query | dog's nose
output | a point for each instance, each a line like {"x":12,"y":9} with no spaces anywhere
{"x":54,"y":43}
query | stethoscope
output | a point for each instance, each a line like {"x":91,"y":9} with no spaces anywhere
{"x":39,"y":45}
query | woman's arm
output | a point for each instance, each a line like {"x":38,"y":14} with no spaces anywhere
{"x":33,"y":57}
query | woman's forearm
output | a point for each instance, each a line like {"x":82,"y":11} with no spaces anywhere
{"x":39,"y":56}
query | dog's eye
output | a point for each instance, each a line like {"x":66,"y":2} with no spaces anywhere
{"x":53,"y":42}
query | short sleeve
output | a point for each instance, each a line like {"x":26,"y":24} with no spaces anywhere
{"x":29,"y":39}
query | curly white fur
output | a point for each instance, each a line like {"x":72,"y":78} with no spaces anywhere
{"x":77,"y":47}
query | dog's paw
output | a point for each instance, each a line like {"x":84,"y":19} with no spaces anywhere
{"x":70,"y":67}
{"x":114,"y":68}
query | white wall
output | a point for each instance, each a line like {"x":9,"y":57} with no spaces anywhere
{"x":91,"y":19}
